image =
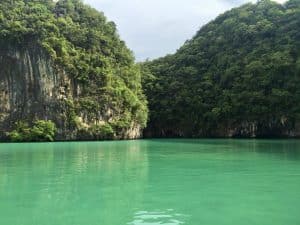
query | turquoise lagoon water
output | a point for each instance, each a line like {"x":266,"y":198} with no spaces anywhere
{"x":151,"y":182}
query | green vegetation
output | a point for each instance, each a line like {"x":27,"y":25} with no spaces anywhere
{"x":97,"y":132}
{"x":239,"y":76}
{"x":87,"y":47}
{"x":40,"y":131}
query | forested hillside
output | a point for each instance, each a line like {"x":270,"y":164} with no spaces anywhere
{"x":65,"y":74}
{"x":64,"y":62}
{"x":238,"y":76}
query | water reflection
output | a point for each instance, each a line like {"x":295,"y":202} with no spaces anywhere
{"x":168,"y":217}
{"x":151,"y":182}
{"x":82,"y":183}
{"x":283,"y":148}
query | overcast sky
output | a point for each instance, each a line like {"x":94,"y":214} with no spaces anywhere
{"x":154,"y":28}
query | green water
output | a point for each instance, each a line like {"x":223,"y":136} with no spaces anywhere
{"x":151,"y":182}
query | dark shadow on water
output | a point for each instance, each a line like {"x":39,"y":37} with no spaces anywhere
{"x":289,"y":148}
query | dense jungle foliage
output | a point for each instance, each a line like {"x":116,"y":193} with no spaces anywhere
{"x":87,"y":47}
{"x":238,"y":76}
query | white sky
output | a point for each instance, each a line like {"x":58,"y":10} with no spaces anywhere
{"x":154,"y":28}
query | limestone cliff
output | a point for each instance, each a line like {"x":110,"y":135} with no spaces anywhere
{"x":64,"y":62}
{"x":32,"y":87}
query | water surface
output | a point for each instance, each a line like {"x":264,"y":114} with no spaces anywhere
{"x":151,"y":182}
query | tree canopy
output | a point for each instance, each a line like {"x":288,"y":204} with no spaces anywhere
{"x":239,"y":74}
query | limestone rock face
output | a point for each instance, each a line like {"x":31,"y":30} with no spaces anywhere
{"x":32,"y":88}
{"x":295,"y":132}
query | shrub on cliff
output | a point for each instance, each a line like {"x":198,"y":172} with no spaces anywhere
{"x":104,"y":131}
{"x":42,"y":130}
{"x":96,"y":132}
{"x":21,"y":132}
